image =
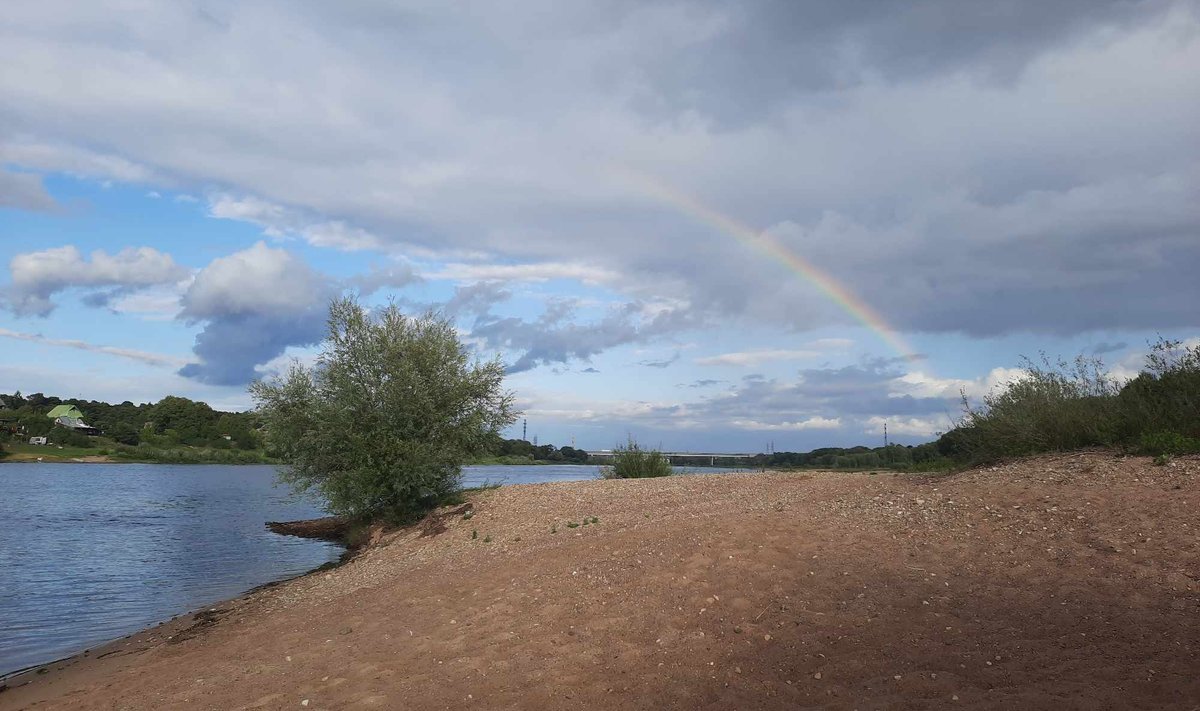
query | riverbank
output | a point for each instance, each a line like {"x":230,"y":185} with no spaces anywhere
{"x":1070,"y":581}
{"x":26,"y":453}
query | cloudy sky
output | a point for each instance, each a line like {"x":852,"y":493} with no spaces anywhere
{"x":710,"y":225}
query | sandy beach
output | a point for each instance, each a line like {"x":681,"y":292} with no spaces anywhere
{"x":1062,"y":582}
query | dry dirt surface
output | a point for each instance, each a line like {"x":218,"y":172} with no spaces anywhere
{"x":1064,"y":582}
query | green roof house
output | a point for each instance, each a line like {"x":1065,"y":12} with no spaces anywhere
{"x":65,"y":411}
{"x":70,"y":416}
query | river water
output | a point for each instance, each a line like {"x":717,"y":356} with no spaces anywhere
{"x":93,"y":552}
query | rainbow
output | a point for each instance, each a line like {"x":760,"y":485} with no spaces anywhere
{"x":836,"y":292}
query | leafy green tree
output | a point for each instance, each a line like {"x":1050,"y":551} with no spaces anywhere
{"x":383,"y":422}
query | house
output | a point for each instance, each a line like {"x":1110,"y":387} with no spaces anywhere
{"x":38,"y":440}
{"x":71,"y":417}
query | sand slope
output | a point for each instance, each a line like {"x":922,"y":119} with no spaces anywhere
{"x":1060,"y":582}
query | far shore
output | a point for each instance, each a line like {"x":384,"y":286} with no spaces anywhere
{"x":1069,"y":579}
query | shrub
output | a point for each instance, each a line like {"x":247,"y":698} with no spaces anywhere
{"x":68,"y":437}
{"x":1167,"y":443}
{"x":1051,"y":407}
{"x":1165,"y":397}
{"x":1063,"y":406}
{"x":382,"y":424}
{"x":631,"y":461}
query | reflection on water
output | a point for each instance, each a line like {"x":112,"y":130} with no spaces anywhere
{"x":91,"y":552}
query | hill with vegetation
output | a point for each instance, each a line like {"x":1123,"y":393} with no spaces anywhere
{"x":173,"y":430}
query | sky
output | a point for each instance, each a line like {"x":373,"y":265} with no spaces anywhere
{"x":710,"y":226}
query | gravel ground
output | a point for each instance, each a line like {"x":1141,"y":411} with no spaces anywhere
{"x":1068,"y":581}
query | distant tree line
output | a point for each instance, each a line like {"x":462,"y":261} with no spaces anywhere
{"x":519,"y":448}
{"x":170,"y":422}
{"x":895,"y":456}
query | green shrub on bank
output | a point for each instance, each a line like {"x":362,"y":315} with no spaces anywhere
{"x":631,"y":461}
{"x":1064,"y":406}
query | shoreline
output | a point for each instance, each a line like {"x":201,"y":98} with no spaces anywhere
{"x":330,"y":529}
{"x":1018,"y":585}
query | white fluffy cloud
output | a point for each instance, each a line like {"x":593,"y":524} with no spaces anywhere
{"x":37,"y":276}
{"x":259,"y":280}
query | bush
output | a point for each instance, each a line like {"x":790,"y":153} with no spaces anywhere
{"x":632,"y":462}
{"x":1165,"y":397}
{"x":68,"y":437}
{"x":1052,"y":407}
{"x":1167,"y":443}
{"x":383,"y":423}
{"x":1064,"y":406}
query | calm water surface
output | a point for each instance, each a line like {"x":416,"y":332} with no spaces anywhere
{"x":93,"y":552}
{"x":542,"y":473}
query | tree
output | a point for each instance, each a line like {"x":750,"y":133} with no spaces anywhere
{"x":383,"y":422}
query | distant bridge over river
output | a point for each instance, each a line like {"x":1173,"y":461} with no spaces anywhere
{"x":685,"y":459}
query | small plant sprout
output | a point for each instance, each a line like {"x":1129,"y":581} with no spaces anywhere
{"x":487,"y":539}
{"x":553,"y":528}
{"x":572,"y":524}
{"x":469,"y":515}
{"x":474,"y":534}
{"x":595,"y":519}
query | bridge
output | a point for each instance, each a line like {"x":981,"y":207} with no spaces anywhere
{"x":695,"y":459}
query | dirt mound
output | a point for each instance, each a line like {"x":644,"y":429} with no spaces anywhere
{"x":1059,"y":582}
